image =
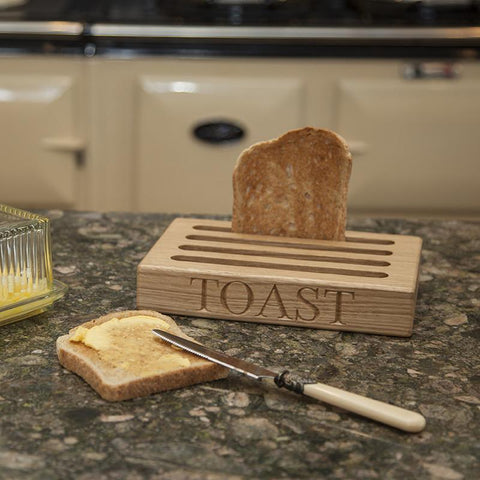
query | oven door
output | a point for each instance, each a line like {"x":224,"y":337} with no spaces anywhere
{"x":413,"y":142}
{"x":38,"y":141}
{"x":191,"y":130}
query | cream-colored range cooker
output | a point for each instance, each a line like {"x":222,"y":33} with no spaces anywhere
{"x":128,"y":129}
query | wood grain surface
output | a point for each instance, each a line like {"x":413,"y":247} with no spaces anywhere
{"x":367,"y":283}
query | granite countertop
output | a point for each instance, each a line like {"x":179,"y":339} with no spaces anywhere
{"x":54,"y":426}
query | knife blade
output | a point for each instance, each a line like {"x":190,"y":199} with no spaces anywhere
{"x":251,"y":370}
{"x":386,"y":413}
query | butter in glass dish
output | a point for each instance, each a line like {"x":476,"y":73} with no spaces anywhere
{"x":27,"y":286}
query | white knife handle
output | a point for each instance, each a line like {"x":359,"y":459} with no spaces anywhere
{"x":367,"y":407}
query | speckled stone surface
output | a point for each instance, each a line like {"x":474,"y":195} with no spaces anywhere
{"x":54,"y":426}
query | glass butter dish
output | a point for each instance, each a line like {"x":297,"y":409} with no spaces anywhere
{"x":27,"y":286}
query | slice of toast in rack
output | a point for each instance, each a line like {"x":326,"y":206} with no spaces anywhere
{"x":294,"y":186}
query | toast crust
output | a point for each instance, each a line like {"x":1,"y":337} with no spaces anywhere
{"x":294,"y":186}
{"x":113,"y":383}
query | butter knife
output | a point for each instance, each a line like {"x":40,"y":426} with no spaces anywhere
{"x":367,"y":407}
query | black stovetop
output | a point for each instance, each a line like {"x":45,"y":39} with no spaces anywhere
{"x":350,"y":13}
{"x":351,"y":28}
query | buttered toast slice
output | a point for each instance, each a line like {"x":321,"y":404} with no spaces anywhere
{"x":120,"y":357}
{"x":293,"y":186}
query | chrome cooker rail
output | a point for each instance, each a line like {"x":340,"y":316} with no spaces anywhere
{"x":274,"y":33}
{"x":73,"y":29}
{"x":285,"y":33}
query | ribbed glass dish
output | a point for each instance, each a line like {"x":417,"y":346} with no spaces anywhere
{"x":27,"y":286}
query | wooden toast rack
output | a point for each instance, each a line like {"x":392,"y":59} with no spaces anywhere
{"x":367,"y":283}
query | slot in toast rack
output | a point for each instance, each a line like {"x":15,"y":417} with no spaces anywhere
{"x":200,"y":268}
